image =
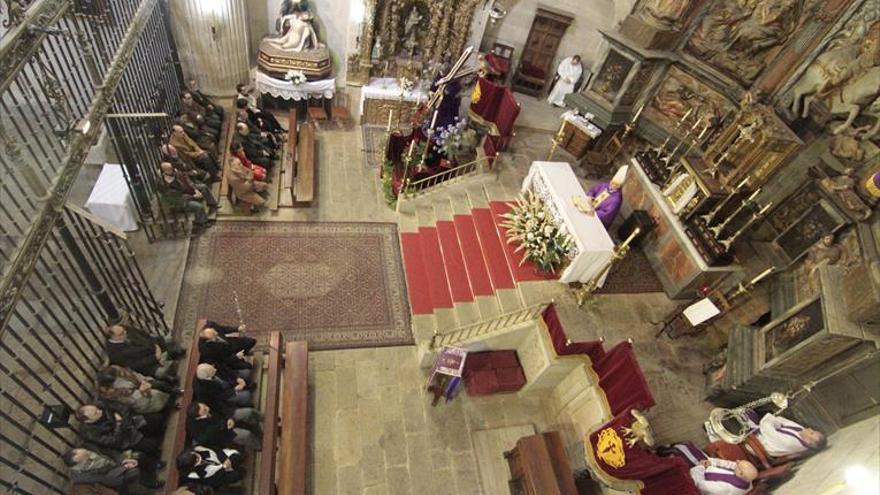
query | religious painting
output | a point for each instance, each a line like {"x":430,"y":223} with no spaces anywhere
{"x":741,"y":37}
{"x":643,"y":74}
{"x":682,"y":94}
{"x":795,"y":205}
{"x":819,"y":220}
{"x":612,"y":75}
{"x":794,"y":330}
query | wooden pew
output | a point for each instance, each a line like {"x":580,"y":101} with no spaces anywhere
{"x":304,"y":187}
{"x":285,"y":192}
{"x":189,"y":375}
{"x":225,"y":154}
{"x":266,"y":483}
{"x":294,"y":421}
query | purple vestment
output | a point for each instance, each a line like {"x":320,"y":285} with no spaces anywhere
{"x":607,"y":210}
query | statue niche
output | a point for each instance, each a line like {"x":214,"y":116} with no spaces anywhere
{"x":739,"y":37}
{"x":296,"y":46}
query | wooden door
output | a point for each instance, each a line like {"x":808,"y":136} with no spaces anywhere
{"x":544,"y":37}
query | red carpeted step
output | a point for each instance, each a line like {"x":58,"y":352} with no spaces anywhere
{"x":453,"y":260}
{"x":481,"y":284}
{"x":416,"y":279}
{"x":493,"y":249}
{"x":526,"y":272}
{"x":438,"y":285}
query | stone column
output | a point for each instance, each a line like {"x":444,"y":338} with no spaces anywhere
{"x":213,"y":43}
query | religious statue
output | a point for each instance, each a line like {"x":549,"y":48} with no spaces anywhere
{"x":410,"y":31}
{"x":823,"y":253}
{"x":843,"y":187}
{"x":664,"y":13}
{"x":296,"y":47}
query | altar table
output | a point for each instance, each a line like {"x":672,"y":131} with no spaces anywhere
{"x":110,"y":199}
{"x":555,"y":183}
{"x":382,"y":95}
{"x":280,"y":88}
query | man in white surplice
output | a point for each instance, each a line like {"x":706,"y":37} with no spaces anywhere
{"x":569,"y":71}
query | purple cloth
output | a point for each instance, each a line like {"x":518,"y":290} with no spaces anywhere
{"x":607,"y":210}
{"x":690,"y":453}
{"x":728,"y":477}
{"x":794,"y":432}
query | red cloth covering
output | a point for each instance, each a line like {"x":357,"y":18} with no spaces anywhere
{"x":493,"y":371}
{"x":495,"y":105}
{"x":622,"y":380}
{"x":593,"y":349}
{"x":532,"y":70}
{"x":660,"y":475}
{"x":498,"y":64}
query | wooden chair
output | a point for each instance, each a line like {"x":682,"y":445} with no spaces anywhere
{"x":316,"y":111}
{"x":598,"y":163}
{"x":339,"y":112}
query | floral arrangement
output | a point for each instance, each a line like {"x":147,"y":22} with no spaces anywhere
{"x":541,"y":240}
{"x":456,"y":139}
{"x":406,"y":84}
{"x":296,"y":77}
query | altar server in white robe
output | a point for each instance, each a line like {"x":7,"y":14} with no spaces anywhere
{"x":714,"y":476}
{"x":569,"y":71}
{"x":782,"y":437}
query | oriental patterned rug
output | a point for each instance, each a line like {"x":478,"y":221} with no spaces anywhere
{"x":632,"y":275}
{"x":336,"y":285}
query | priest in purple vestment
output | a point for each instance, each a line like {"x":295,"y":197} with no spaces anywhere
{"x":782,"y":437}
{"x":606,"y":197}
{"x":716,"y":476}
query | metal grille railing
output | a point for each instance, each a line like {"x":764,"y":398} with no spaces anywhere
{"x":500,"y":323}
{"x":64,"y":275}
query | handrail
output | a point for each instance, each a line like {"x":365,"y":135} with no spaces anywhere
{"x":472,"y":330}
{"x":420,"y":186}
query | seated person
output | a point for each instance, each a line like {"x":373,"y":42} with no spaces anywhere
{"x":224,"y":346}
{"x":132,"y":390}
{"x":257,"y":125}
{"x":606,"y":197}
{"x":188,"y":148}
{"x":215,"y":468}
{"x":782,"y":437}
{"x":180,"y":193}
{"x":256,"y":151}
{"x":203,"y":135}
{"x":198,"y":113}
{"x":118,"y":472}
{"x":269,"y":121}
{"x":245,"y":186}
{"x":186,"y":166}
{"x":215,"y":430}
{"x":141,"y":352}
{"x":237,"y":151}
{"x":715,"y":476}
{"x":217,"y":391}
{"x":203,"y":99}
{"x":113,"y":428}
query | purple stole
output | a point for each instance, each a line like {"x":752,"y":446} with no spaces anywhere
{"x":792,"y":431}
{"x":728,"y":477}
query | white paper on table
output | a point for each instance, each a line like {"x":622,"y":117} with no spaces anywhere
{"x":701,"y":311}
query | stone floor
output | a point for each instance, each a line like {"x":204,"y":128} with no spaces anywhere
{"x":374,"y":430}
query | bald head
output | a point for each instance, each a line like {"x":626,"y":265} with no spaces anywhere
{"x":205,"y":371}
{"x":177,"y":129}
{"x":746,"y":470}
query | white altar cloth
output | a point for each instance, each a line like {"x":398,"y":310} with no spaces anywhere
{"x":280,"y":88}
{"x":386,"y":88}
{"x":110,"y":199}
{"x":555,"y":183}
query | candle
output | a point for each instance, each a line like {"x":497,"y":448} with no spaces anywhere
{"x":765,"y":208}
{"x":703,"y":132}
{"x":742,"y":184}
{"x":754,"y":194}
{"x":632,"y":236}
{"x":696,"y":124}
{"x":434,"y":120}
{"x":390,"y":113}
{"x":638,"y":113}
{"x":762,"y":275}
{"x":687,"y":114}
{"x":412,"y":144}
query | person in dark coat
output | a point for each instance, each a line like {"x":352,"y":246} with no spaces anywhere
{"x":214,"y":430}
{"x":220,"y":391}
{"x":113,"y":471}
{"x":107,"y":426}
{"x":224,"y":347}
{"x":134,"y":348}
{"x":215,"y":468}
{"x":254,"y":149}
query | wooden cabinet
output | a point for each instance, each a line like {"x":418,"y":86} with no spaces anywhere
{"x":575,"y":141}
{"x":539,"y":466}
{"x":535,"y":66}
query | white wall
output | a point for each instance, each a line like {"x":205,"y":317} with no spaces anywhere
{"x":582,"y":36}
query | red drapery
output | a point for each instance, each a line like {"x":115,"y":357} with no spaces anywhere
{"x":609,"y":454}
{"x":592,"y":349}
{"x":622,"y":380}
{"x":494,"y":106}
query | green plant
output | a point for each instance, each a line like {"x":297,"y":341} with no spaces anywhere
{"x":540,"y":239}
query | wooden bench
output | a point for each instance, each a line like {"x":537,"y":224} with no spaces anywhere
{"x":294,"y":421}
{"x":304,"y":186}
{"x":226,"y":154}
{"x":285,"y":190}
{"x":179,"y":442}
{"x":266,"y":483}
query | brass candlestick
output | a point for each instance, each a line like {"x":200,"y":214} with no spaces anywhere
{"x":755,"y":217}
{"x":584,"y":293}
{"x":709,"y":217}
{"x":556,"y":140}
{"x":718,"y":229}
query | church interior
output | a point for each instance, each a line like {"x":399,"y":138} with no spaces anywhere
{"x":412,"y":247}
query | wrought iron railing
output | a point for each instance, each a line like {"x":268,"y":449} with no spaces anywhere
{"x":486,"y":328}
{"x":422,"y":186}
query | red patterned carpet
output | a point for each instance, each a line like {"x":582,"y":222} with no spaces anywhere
{"x":337,"y":285}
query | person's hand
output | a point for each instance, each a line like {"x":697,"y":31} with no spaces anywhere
{"x":242,"y":328}
{"x":145,"y":386}
{"x":239,"y":354}
{"x":230,"y":424}
{"x":198,"y":194}
{"x":705,"y":463}
{"x":227,"y":465}
{"x":240,"y":384}
{"x":117,"y":417}
{"x":158,"y":352}
{"x":264,"y":134}
{"x":130,"y":463}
